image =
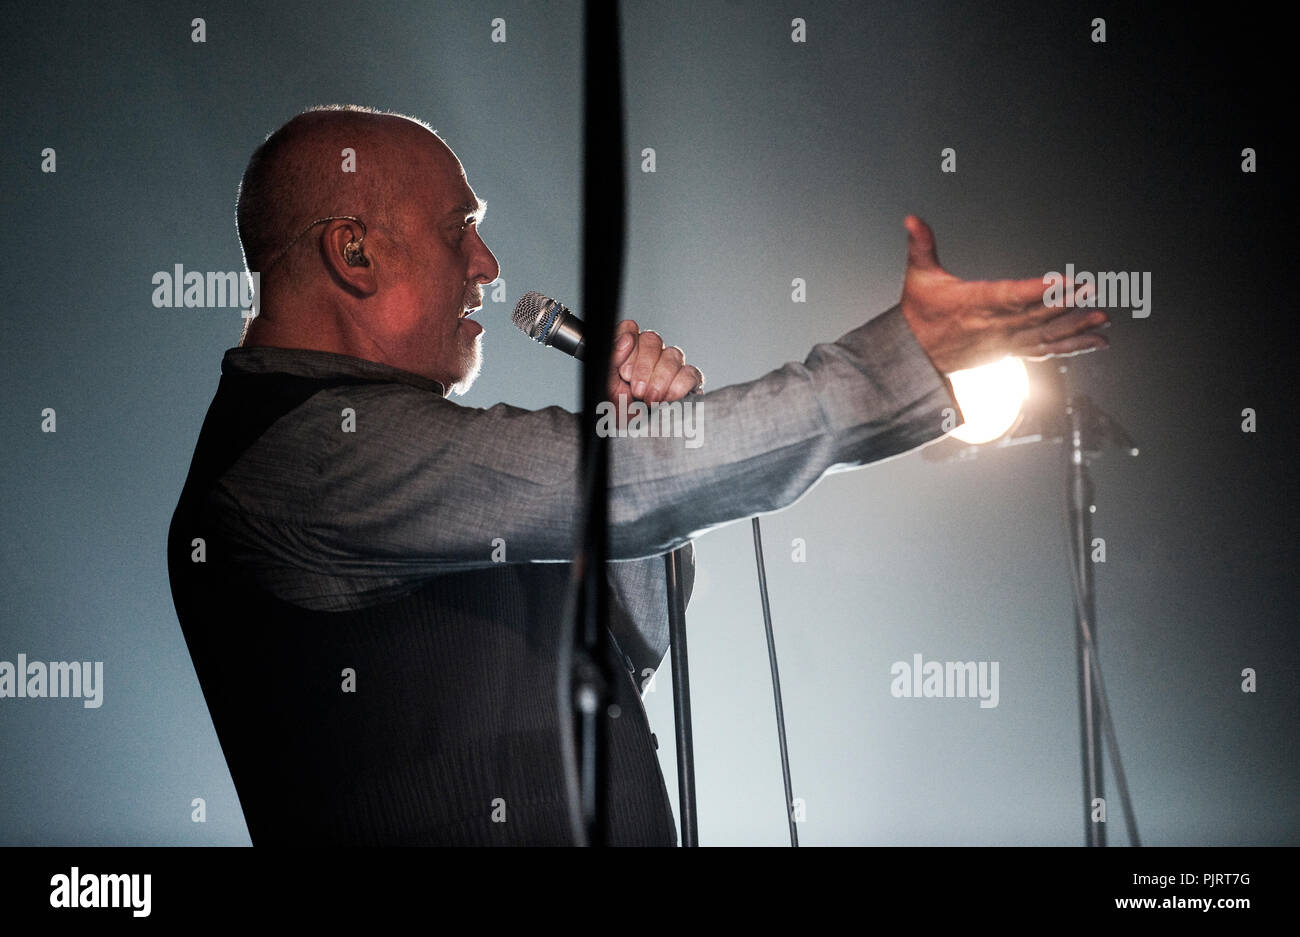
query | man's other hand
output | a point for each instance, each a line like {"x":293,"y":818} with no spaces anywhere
{"x":643,"y":369}
{"x":966,"y":323}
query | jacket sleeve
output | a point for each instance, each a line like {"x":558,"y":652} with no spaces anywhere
{"x":422,"y":485}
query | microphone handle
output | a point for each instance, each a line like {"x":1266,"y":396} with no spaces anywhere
{"x":566,"y":335}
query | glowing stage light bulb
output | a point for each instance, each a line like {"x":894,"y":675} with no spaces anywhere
{"x":990,"y":398}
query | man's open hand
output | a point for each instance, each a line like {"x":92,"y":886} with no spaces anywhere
{"x":967,"y":323}
{"x":643,"y":369}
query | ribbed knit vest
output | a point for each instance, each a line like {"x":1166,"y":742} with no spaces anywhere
{"x":449,"y":731}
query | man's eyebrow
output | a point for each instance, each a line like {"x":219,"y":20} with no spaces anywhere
{"x":476,"y":208}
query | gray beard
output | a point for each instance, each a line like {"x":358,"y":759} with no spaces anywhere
{"x":471,"y":362}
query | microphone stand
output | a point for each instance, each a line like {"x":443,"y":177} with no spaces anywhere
{"x":585,"y":670}
{"x":776,"y":681}
{"x":681,"y":698}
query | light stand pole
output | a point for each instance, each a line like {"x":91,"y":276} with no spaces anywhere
{"x":1086,"y":431}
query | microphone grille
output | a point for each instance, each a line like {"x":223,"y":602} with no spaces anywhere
{"x":538,"y":316}
{"x":530,"y":313}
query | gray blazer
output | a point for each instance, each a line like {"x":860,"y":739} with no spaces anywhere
{"x":368,"y":489}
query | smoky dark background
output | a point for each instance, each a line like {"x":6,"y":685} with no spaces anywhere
{"x":774,"y":160}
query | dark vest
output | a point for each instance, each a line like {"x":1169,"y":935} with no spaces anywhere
{"x":451,"y":735}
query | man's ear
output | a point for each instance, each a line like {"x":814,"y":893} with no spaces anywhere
{"x":344,"y":251}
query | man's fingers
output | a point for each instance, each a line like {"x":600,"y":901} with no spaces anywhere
{"x":638,"y":369}
{"x":687,"y":379}
{"x":625,"y":334}
{"x":1022,"y":302}
{"x":650,"y":371}
{"x":1015,"y":296}
{"x":623,"y":346}
{"x":1071,"y":323}
{"x":1071,"y":346}
{"x":623,"y":341}
{"x":670,"y":363}
{"x":1075,"y":345}
{"x":1053,"y":337}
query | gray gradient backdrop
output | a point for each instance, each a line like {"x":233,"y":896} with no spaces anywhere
{"x":775,"y":160}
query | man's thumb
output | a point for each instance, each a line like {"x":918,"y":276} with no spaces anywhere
{"x":920,"y":244}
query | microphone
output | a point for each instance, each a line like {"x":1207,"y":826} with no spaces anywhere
{"x":549,"y":323}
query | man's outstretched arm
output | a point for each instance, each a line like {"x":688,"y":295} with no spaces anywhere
{"x":425,"y":485}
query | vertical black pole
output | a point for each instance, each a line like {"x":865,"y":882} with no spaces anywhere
{"x":602,"y":278}
{"x":681,"y":699}
{"x":776,"y":681}
{"x":1080,"y":504}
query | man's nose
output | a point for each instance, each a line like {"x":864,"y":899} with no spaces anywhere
{"x":483,"y":265}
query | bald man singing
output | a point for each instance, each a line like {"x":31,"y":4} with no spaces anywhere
{"x":370,"y":577}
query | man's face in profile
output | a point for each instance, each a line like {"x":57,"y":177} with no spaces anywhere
{"x":442,"y":271}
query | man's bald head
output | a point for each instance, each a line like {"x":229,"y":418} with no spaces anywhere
{"x":408,"y":303}
{"x":296,"y":176}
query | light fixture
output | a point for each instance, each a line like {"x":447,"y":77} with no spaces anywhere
{"x":990,"y":398}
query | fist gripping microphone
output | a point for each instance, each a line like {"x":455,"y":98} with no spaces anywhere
{"x":550,"y":323}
